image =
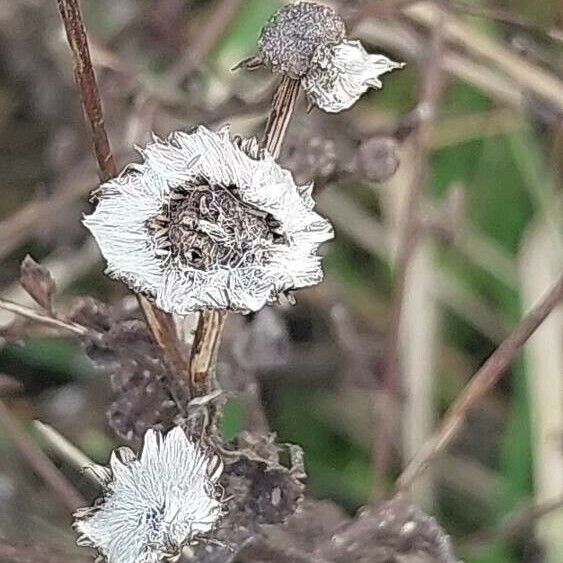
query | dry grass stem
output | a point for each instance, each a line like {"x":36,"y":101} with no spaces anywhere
{"x":485,"y":378}
{"x":431,"y":87}
{"x":40,"y":463}
{"x":540,"y":262}
{"x":65,"y":449}
{"x":44,"y":318}
{"x":521,"y":71}
{"x":368,"y":233}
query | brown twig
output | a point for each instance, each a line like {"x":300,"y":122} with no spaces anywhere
{"x":86,"y":81}
{"x":160,"y":324}
{"x":210,"y":325}
{"x":430,"y":92}
{"x":40,"y":463}
{"x":505,"y":17}
{"x":44,"y":318}
{"x":485,"y":378}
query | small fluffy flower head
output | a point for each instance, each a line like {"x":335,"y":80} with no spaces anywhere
{"x":209,"y":222}
{"x":307,"y":41}
{"x":293,"y":34}
{"x":154,"y":504}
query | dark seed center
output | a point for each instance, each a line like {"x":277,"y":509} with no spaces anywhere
{"x":207,"y":227}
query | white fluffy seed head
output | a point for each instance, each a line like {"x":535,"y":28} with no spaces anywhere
{"x":209,"y":222}
{"x":341,"y":73}
{"x":154,"y":504}
{"x":307,"y":41}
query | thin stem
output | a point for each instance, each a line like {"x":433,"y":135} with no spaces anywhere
{"x":204,"y":351}
{"x":485,"y":378}
{"x":44,"y":318}
{"x":207,"y":337}
{"x":40,"y":463}
{"x":283,"y":106}
{"x":430,"y":92}
{"x":64,"y":448}
{"x":161,"y":324}
{"x":86,"y":81}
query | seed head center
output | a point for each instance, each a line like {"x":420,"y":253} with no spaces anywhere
{"x":209,"y":227}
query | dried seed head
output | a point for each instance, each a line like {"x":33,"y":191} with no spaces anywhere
{"x":207,"y":221}
{"x":340,"y":74}
{"x":378,"y":158}
{"x":293,"y":34}
{"x":153,"y":504}
{"x":307,"y":42}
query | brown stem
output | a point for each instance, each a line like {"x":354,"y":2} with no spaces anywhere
{"x":210,"y":325}
{"x":161,"y":324}
{"x":86,"y":81}
{"x":430,"y":92}
{"x":44,"y":318}
{"x":485,"y":378}
{"x":283,"y":106}
{"x":40,"y":463}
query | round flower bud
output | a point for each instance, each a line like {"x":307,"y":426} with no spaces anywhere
{"x":378,"y":159}
{"x":293,"y":34}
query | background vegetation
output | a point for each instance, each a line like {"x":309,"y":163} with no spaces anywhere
{"x":491,"y":202}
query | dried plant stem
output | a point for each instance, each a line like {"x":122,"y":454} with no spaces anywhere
{"x":40,"y":463}
{"x":66,"y":450}
{"x":44,"y":318}
{"x":86,"y":81}
{"x":480,"y":46}
{"x":210,"y":325}
{"x":204,"y":351}
{"x":485,"y":378}
{"x":430,"y":91}
{"x":161,"y":324}
{"x":283,"y":105}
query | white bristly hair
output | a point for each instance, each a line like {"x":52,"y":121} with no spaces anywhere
{"x":138,"y":194}
{"x":341,"y":73}
{"x":154,"y":504}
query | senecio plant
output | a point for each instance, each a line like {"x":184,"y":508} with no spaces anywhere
{"x":211,"y":221}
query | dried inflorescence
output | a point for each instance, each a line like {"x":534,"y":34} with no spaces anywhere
{"x":307,"y":41}
{"x":122,"y":347}
{"x":292,"y":35}
{"x":155,"y":503}
{"x":393,"y":531}
{"x":264,"y":484}
{"x":207,"y":221}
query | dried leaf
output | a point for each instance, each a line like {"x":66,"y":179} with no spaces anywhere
{"x":37,"y":281}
